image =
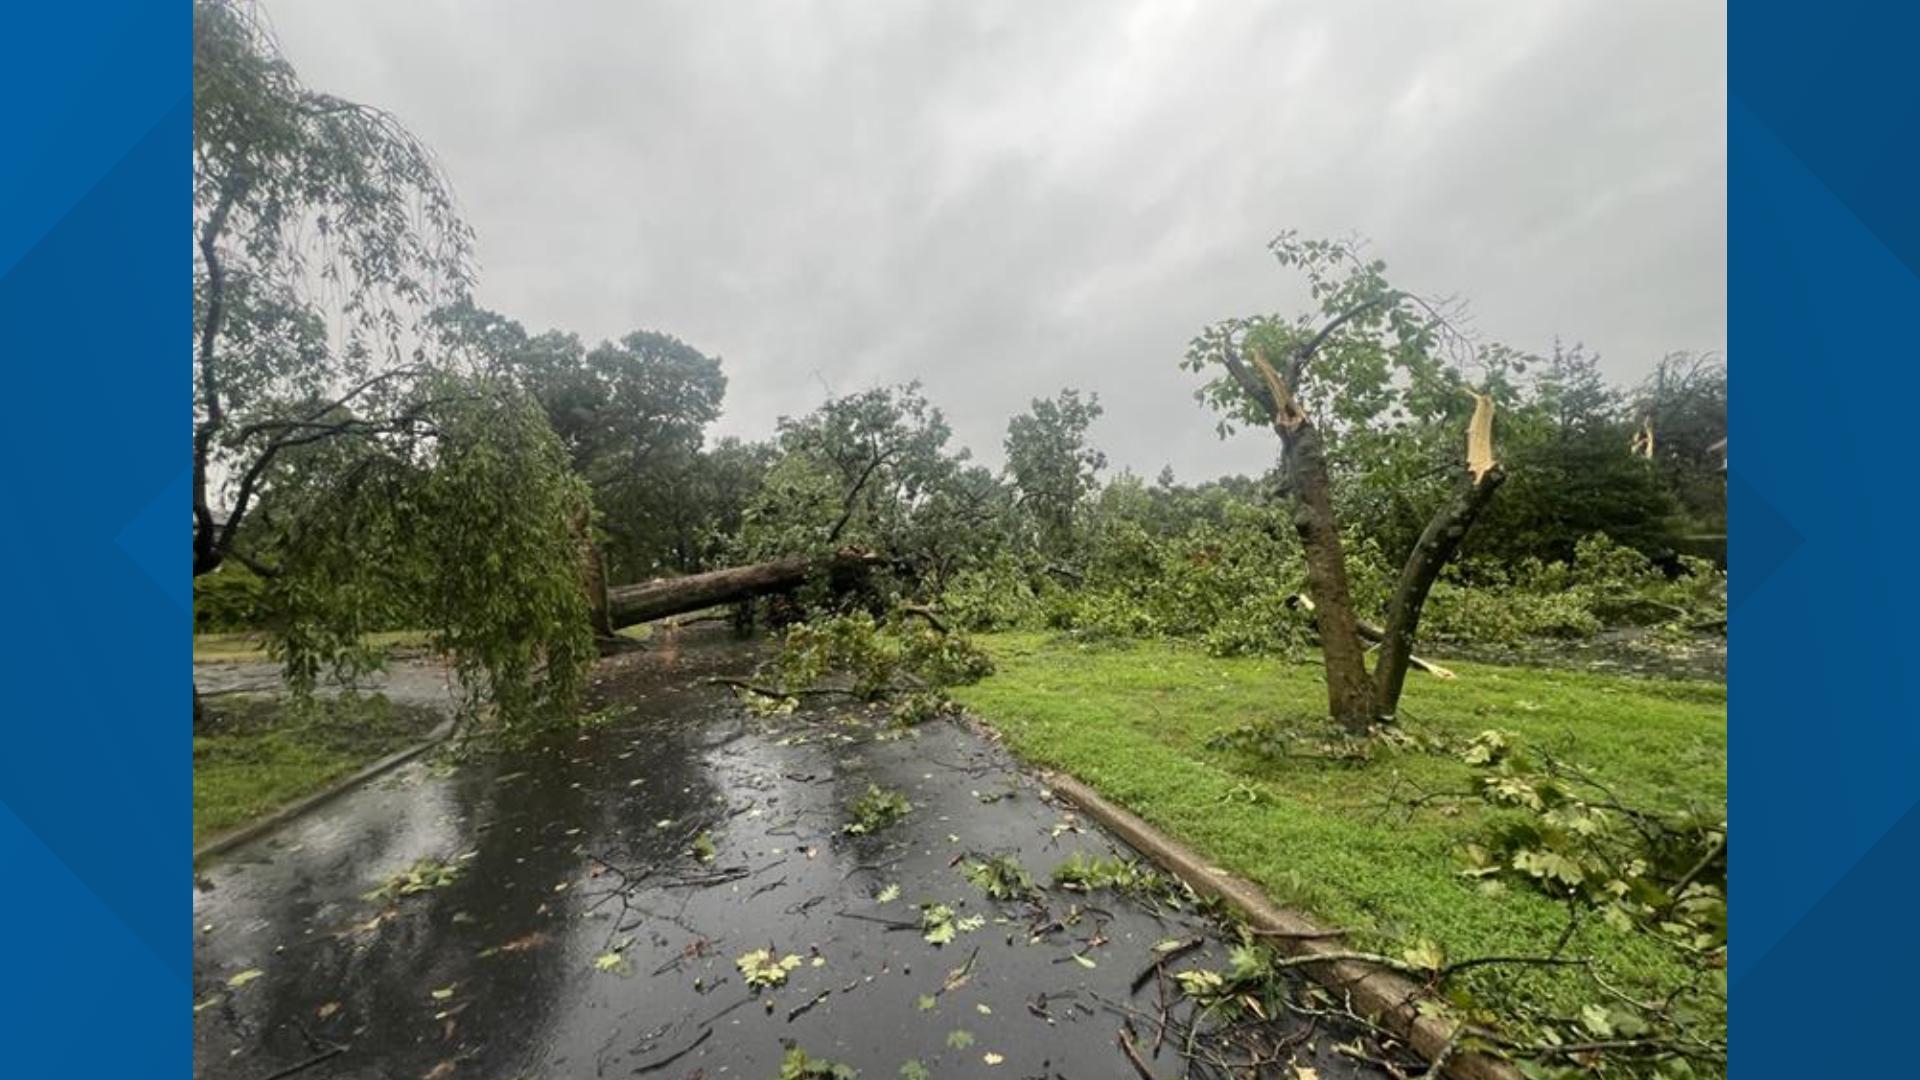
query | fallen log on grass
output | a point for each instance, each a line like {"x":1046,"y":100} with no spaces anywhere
{"x":628,"y":605}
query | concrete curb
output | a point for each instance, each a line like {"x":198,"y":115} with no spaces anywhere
{"x":1383,"y":995}
{"x":259,"y":827}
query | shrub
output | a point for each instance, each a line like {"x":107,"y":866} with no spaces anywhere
{"x":230,"y":599}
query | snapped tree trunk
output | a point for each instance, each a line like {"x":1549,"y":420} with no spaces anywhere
{"x":1349,"y":693}
{"x":1356,"y":700}
{"x":1437,"y":544}
{"x":1435,"y":548}
{"x":631,"y":604}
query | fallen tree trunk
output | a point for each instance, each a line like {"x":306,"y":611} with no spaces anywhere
{"x":650,"y":600}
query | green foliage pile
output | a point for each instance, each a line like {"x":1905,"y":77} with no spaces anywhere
{"x":1249,"y":982}
{"x":796,"y":1065}
{"x":1654,"y":875}
{"x":999,"y":876}
{"x":1565,"y":833}
{"x":875,"y":810}
{"x":1604,"y":584}
{"x":424,"y":875}
{"x":1002,"y":593}
{"x":762,"y":969}
{"x":1224,"y":585}
{"x":902,"y":656}
{"x":1085,"y":873}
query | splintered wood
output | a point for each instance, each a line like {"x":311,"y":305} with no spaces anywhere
{"x":1643,"y":439}
{"x":1480,"y":438}
{"x":1286,"y":413}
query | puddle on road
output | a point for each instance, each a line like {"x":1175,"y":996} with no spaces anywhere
{"x":607,"y":885}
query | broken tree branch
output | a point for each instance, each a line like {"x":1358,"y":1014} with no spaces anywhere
{"x":1435,"y":548}
{"x":1373,"y":634}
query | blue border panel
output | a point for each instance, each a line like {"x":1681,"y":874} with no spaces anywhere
{"x":95,"y":821}
{"x":1824,"y":114}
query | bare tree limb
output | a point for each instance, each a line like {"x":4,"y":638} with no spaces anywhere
{"x":853,"y":493}
{"x":1307,"y":351}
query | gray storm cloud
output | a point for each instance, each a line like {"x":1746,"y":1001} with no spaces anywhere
{"x":1004,"y":198}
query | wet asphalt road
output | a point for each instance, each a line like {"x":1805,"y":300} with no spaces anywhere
{"x":411,"y":680}
{"x":580,"y":851}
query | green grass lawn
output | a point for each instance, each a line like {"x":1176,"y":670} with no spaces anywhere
{"x":1325,"y":836}
{"x":255,"y":753}
{"x":252,"y":645}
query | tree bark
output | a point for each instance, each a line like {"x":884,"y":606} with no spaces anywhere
{"x":1435,"y":548}
{"x":631,"y":604}
{"x":1349,"y":697}
{"x":1349,"y":693}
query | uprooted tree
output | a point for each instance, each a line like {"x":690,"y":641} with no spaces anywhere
{"x":1372,"y":361}
{"x":628,"y":605}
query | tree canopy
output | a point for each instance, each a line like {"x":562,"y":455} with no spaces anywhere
{"x":632,"y":415}
{"x":336,"y":453}
{"x":1052,"y":465}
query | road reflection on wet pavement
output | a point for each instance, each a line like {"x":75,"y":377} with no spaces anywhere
{"x":586,"y":929}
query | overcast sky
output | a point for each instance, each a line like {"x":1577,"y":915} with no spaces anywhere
{"x":1004,"y":198}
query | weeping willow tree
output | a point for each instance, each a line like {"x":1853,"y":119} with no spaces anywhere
{"x":365,"y":478}
{"x":462,"y":523}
